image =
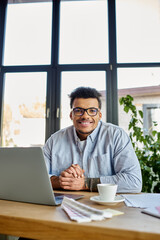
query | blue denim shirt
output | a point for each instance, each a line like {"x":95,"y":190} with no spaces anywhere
{"x":108,"y":155}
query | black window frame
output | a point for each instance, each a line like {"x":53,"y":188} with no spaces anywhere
{"x":55,"y":69}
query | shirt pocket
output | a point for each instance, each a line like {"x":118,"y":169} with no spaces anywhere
{"x":100,"y":165}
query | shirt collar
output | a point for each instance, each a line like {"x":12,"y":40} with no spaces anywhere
{"x":92,"y":136}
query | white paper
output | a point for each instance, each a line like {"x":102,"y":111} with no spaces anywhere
{"x":75,"y":216}
{"x":81,"y":212}
{"x":143,"y":200}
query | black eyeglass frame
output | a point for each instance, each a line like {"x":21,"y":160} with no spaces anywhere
{"x":85,"y":110}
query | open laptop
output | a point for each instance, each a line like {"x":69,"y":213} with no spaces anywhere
{"x":24,"y":177}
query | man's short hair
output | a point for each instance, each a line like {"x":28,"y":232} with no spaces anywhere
{"x":85,"y":92}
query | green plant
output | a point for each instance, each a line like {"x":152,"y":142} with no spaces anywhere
{"x":146,"y":145}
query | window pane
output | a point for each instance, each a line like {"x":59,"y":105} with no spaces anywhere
{"x":72,"y":80}
{"x":151,"y":114}
{"x":143,"y":84}
{"x":138,"y":31}
{"x":83,"y":32}
{"x":24,"y":108}
{"x":28,"y":34}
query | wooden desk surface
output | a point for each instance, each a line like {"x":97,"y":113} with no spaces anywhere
{"x":50,"y":222}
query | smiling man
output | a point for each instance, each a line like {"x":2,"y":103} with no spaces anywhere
{"x":91,"y":151}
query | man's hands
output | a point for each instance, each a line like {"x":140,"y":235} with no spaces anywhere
{"x":72,"y":178}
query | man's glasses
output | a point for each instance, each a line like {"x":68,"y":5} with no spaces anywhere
{"x":90,"y":111}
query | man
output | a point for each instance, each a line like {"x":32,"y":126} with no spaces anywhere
{"x":91,"y":151}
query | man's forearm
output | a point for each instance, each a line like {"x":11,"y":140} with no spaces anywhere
{"x":55,"y":182}
{"x":91,"y":184}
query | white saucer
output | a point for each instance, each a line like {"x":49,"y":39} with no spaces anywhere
{"x":117,"y":199}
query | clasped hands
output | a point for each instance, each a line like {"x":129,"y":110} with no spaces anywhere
{"x":72,"y":178}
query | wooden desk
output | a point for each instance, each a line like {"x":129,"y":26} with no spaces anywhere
{"x":48,"y":222}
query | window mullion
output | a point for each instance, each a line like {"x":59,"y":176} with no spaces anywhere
{"x":112,"y":105}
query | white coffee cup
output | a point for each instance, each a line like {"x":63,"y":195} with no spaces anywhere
{"x":107,"y":191}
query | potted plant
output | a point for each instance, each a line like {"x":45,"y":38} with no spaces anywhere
{"x":146,"y":145}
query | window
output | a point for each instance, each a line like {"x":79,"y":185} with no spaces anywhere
{"x":151,"y":114}
{"x":28,"y":34}
{"x":138,"y":31}
{"x":83,"y":32}
{"x":143,"y":84}
{"x":110,"y":45}
{"x":24,"y":109}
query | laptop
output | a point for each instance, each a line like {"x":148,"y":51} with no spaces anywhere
{"x":24,"y":177}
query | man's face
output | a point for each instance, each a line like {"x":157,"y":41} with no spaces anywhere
{"x":85,"y":124}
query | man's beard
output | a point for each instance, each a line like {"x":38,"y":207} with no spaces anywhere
{"x":81,"y":132}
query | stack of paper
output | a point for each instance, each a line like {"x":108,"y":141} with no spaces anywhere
{"x":144,"y":200}
{"x":81,"y":212}
{"x":150,"y":202}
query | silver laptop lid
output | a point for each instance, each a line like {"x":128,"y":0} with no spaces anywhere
{"x":24,"y":176}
